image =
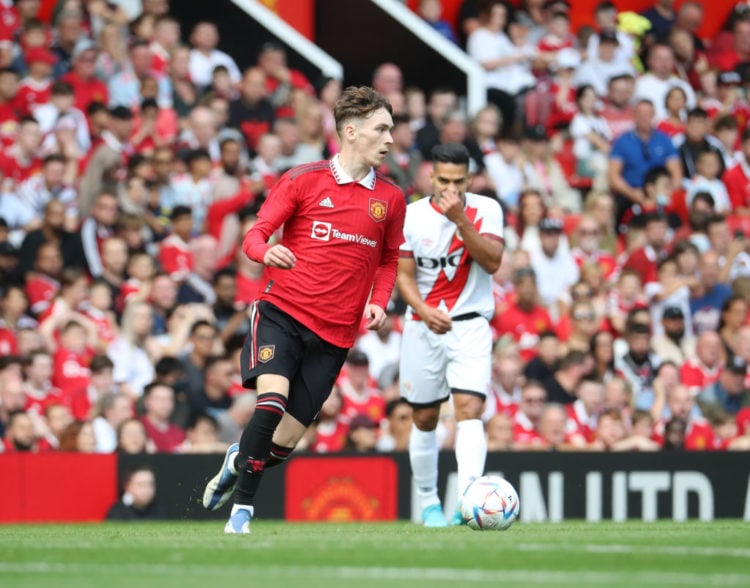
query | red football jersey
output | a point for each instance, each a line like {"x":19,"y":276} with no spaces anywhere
{"x":71,"y":373}
{"x":524,"y":327}
{"x":345,"y":236}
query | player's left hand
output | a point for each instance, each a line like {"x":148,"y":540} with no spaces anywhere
{"x":451,"y":204}
{"x":375,"y":317}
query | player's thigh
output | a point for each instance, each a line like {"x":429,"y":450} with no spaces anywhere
{"x":273,"y":346}
{"x":319,"y":367}
{"x":422,"y":365}
{"x":469,"y":350}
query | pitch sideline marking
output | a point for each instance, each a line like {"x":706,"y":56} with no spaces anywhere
{"x":407,"y":573}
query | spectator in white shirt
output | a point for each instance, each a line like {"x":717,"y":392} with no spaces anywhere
{"x":205,"y":56}
{"x":660,"y":79}
{"x":553,"y":262}
{"x":602,"y":64}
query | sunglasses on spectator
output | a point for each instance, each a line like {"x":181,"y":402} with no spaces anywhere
{"x":583,"y":316}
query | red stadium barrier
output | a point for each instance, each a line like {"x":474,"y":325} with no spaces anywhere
{"x":341,"y":489}
{"x":56,"y":487}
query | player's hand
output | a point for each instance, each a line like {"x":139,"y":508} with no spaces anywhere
{"x":280,"y":257}
{"x":375,"y":317}
{"x":451,"y":204}
{"x":436,"y":320}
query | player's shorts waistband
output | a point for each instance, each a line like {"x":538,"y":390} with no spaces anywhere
{"x":467,"y":316}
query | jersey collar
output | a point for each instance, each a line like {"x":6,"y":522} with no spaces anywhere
{"x":342,"y":177}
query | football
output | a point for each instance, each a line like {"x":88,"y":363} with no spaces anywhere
{"x":489,"y":503}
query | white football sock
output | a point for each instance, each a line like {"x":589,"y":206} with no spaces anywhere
{"x":237,"y":507}
{"x":423,"y":455}
{"x":471,"y":451}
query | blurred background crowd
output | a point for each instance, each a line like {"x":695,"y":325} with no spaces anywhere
{"x":136,"y":155}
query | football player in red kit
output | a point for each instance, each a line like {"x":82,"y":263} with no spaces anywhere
{"x":342,"y":231}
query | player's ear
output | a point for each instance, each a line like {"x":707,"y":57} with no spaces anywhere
{"x":350,"y":132}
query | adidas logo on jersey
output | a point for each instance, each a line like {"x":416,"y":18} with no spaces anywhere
{"x":326,"y":202}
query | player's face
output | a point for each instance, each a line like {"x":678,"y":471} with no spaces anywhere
{"x":374,"y":137}
{"x":449,"y":178}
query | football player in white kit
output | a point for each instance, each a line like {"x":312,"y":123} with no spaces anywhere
{"x":453,"y":245}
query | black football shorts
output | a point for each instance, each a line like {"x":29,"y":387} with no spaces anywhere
{"x":278,"y":344}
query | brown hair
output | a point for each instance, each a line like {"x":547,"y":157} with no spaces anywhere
{"x":357,"y":103}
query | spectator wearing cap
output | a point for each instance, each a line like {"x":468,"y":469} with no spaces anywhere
{"x":204,"y":56}
{"x":554,"y":262}
{"x":523,"y":318}
{"x":602,"y":63}
{"x":107,"y":164}
{"x":635,"y":153}
{"x":35,"y":89}
{"x":729,"y":393}
{"x":660,"y":77}
{"x":360,"y":396}
{"x":672,"y":344}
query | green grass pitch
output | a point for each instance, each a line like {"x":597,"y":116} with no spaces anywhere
{"x":187,"y":554}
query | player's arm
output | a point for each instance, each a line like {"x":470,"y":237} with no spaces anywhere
{"x":281,"y":204}
{"x":436,"y":320}
{"x":486,"y":249}
{"x":385,"y":274}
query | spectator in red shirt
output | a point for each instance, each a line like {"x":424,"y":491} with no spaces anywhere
{"x":9,"y":116}
{"x":730,"y":48}
{"x":702,"y":371}
{"x":19,"y":434}
{"x":588,"y":249}
{"x":645,"y":259}
{"x":360,"y":397}
{"x":158,"y":401}
{"x":698,"y":434}
{"x":42,"y":284}
{"x":737,"y":179}
{"x":35,"y":89}
{"x":281,"y":80}
{"x":21,"y":160}
{"x":524,"y":318}
{"x":72,"y":374}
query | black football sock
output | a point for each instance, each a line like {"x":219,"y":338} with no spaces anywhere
{"x":255,"y":445}
{"x":278,"y":455}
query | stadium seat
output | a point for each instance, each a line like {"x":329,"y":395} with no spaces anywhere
{"x":739,"y":223}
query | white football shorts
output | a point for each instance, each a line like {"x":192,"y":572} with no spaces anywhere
{"x":432,"y":365}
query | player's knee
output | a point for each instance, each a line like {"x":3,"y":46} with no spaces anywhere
{"x":467,"y":406}
{"x":426,"y":419}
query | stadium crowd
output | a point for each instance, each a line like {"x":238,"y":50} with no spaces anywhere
{"x":133,"y":164}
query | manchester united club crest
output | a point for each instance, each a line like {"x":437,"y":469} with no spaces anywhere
{"x":265,"y":353}
{"x":378,"y":210}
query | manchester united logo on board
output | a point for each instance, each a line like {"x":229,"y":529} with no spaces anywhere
{"x":265,"y":353}
{"x":378,"y":210}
